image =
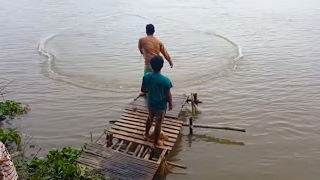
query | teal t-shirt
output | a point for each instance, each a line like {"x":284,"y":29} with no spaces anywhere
{"x":156,"y":85}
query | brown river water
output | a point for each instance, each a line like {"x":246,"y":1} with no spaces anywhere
{"x":255,"y":64}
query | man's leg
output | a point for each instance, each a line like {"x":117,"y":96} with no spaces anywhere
{"x":159,"y":115}
{"x":147,"y":68}
{"x":149,"y":122}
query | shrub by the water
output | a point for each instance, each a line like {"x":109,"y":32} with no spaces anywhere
{"x":12,"y":108}
{"x":10,"y":138}
{"x":57,"y":165}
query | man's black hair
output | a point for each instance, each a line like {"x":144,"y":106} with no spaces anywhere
{"x":149,"y":29}
{"x":156,"y":63}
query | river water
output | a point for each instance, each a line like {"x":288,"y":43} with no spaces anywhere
{"x":255,"y":64}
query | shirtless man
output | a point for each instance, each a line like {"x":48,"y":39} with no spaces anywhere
{"x":150,"y":46}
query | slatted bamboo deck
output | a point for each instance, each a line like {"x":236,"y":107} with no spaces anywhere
{"x":128,"y":158}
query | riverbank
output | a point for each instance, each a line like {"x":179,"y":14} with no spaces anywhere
{"x":57,"y":164}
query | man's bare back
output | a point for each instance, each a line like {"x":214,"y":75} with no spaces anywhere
{"x":150,"y":46}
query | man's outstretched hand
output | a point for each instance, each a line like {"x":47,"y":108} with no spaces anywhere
{"x":171,"y":64}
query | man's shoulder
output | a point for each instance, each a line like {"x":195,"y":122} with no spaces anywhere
{"x":144,"y":37}
{"x":167,"y":82}
{"x":148,"y":74}
{"x":153,"y":38}
{"x":165,"y":78}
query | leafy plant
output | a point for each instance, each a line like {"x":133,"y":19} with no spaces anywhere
{"x":9,"y":136}
{"x":58,"y":165}
{"x":12,"y":108}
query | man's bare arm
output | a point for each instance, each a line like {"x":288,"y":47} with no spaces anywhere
{"x":165,"y":54}
{"x":140,"y":46}
{"x":169,"y":96}
{"x":143,"y":88}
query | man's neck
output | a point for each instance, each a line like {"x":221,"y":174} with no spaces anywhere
{"x":157,"y":72}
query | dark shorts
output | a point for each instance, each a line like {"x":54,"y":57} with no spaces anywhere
{"x":157,"y":115}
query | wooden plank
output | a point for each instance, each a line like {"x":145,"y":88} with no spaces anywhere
{"x":111,"y":151}
{"x":174,"y":115}
{"x":174,"y":136}
{"x":94,"y":152}
{"x":144,"y":121}
{"x":88,"y":163}
{"x":145,"y":152}
{"x":123,"y":163}
{"x":118,"y":155}
{"x":119,"y":145}
{"x":162,"y":155}
{"x":135,"y":136}
{"x":143,"y":125}
{"x":141,"y":142}
{"x":120,"y":159}
{"x":128,"y":147}
{"x":141,"y":150}
{"x":114,"y":145}
{"x":130,"y":130}
{"x":145,"y":114}
{"x":137,"y":149}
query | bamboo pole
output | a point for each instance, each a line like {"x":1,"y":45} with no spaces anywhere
{"x":209,"y":126}
{"x":177,"y":165}
{"x":173,"y":164}
{"x":104,"y":132}
{"x":17,"y":154}
{"x":91,"y":139}
{"x":190,"y":125}
{"x":215,"y":127}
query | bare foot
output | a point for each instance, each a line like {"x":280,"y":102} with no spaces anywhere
{"x":160,"y":143}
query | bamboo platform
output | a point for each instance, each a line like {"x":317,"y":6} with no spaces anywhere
{"x":128,"y":158}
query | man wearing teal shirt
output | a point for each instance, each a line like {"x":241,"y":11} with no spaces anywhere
{"x":157,"y":87}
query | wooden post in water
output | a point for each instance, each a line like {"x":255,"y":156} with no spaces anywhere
{"x":190,"y":125}
{"x":192,"y":100}
{"x":195,"y":98}
{"x":109,"y":139}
